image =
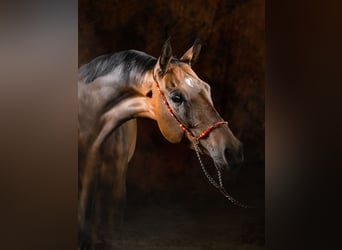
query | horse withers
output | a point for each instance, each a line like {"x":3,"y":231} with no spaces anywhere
{"x":114,"y":90}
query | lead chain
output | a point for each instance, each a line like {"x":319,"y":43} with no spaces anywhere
{"x":219,"y":185}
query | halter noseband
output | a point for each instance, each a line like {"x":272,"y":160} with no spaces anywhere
{"x":181,"y":125}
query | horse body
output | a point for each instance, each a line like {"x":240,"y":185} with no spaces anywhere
{"x":113,"y":91}
{"x":108,"y":104}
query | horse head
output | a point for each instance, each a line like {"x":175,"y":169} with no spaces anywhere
{"x":183,"y":107}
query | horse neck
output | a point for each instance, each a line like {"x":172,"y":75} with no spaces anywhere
{"x":134,"y":101}
{"x":144,"y":84}
{"x":109,"y":101}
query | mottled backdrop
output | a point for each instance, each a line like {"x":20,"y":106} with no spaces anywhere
{"x":231,"y":61}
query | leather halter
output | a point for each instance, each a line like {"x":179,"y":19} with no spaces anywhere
{"x":181,"y":125}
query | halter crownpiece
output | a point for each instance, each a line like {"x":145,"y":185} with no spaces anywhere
{"x":196,"y":140}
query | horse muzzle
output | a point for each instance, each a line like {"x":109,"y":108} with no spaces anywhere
{"x":230,"y":157}
{"x":234,"y":157}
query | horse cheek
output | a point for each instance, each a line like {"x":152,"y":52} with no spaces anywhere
{"x":170,"y":129}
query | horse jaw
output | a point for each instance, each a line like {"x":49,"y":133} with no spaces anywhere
{"x":167,"y":125}
{"x":171,"y":133}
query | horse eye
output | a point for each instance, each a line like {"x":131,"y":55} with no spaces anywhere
{"x":177,"y":98}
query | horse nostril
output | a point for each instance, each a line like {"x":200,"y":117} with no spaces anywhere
{"x":234,"y":156}
{"x":240,"y":153}
{"x":229,"y":155}
{"x":227,"y":152}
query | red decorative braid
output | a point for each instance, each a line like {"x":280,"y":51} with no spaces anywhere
{"x":181,"y":125}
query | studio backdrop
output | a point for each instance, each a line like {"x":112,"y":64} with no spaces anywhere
{"x":170,"y":204}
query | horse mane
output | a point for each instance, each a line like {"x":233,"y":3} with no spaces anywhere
{"x":129,"y":60}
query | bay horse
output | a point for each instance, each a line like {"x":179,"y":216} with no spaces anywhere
{"x":114,"y":90}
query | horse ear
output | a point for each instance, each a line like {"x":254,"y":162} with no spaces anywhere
{"x":165,"y":57}
{"x":192,"y":54}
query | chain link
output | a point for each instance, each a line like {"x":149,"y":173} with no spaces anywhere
{"x":218,"y":185}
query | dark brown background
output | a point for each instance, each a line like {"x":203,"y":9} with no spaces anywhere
{"x":231,"y":61}
{"x":39,"y":118}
